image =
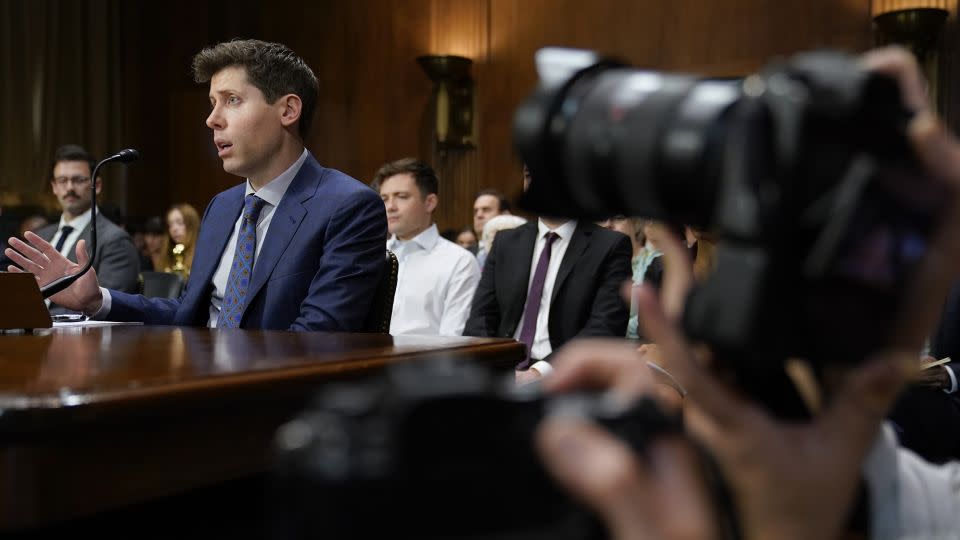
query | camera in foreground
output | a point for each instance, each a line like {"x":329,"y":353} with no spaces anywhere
{"x":437,"y":450}
{"x":804,"y":171}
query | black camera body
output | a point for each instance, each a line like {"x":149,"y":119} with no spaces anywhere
{"x":436,"y":450}
{"x":804,"y":171}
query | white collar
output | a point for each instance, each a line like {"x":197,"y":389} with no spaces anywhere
{"x":426,"y":239}
{"x":78,"y":223}
{"x":273,"y":190}
{"x":565,"y":231}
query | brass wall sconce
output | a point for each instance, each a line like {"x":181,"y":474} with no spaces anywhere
{"x":452,"y":100}
{"x":916,"y":28}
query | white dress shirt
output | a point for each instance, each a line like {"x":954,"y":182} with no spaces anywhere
{"x":271,"y":193}
{"x":909,"y":497}
{"x":541,"y":339}
{"x":78,"y":223}
{"x":435,"y":285}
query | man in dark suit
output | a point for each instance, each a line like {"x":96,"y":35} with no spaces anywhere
{"x":926,"y":415}
{"x":296,"y":246}
{"x":549,"y":281}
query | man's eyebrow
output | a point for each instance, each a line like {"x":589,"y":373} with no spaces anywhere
{"x":223,"y":91}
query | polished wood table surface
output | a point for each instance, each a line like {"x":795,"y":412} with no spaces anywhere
{"x":93,"y":419}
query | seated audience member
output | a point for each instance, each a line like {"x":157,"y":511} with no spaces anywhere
{"x":114,"y":213}
{"x":135,"y":230}
{"x":436,"y":278}
{"x":548,"y":281}
{"x":467,"y":239}
{"x":644,"y":253}
{"x":183,"y":224}
{"x":156,"y":244}
{"x":296,"y":246}
{"x":116,"y":261}
{"x":492,"y":227}
{"x":927,"y":414}
{"x":487,"y":204}
{"x":788,"y":479}
{"x":33,"y":223}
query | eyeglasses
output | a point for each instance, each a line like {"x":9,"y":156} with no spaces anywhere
{"x":75,"y":180}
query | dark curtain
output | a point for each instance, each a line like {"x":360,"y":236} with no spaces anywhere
{"x":65,"y":77}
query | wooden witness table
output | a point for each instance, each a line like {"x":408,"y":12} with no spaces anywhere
{"x":96,"y":419}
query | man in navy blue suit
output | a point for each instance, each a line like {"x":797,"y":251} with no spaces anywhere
{"x":296,"y":246}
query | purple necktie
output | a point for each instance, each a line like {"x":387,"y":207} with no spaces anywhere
{"x":532,"y":308}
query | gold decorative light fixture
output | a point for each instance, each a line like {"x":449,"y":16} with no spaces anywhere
{"x":452,"y":99}
{"x":916,"y":27}
{"x":915,"y":24}
{"x":879,"y":7}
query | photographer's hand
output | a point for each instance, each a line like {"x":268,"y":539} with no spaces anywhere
{"x":788,"y":480}
{"x":759,"y":455}
{"x":934,"y":378}
{"x":939,"y":151}
{"x":663,"y":498}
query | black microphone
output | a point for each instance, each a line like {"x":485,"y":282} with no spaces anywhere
{"x":126,"y":155}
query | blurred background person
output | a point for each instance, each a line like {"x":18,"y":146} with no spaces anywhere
{"x":467,"y":239}
{"x":115,"y":261}
{"x":490,"y":230}
{"x":33,"y":223}
{"x":644,"y":253}
{"x":156,"y":243}
{"x":183,"y":223}
{"x":487,"y":204}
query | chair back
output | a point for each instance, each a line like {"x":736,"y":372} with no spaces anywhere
{"x":378,"y":320}
{"x":162,"y":284}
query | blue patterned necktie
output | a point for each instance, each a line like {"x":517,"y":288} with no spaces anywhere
{"x":242,"y":268}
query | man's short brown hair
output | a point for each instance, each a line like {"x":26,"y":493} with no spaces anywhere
{"x":423,"y":175}
{"x":273,"y":68}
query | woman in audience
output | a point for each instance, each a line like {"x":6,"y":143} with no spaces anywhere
{"x":644,"y":253}
{"x":183,"y":222}
{"x":467,"y":239}
{"x":156,"y":243}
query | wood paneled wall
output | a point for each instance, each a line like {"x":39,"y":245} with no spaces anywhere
{"x":374,"y":103}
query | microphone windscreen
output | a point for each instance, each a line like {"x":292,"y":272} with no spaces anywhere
{"x":127,"y":155}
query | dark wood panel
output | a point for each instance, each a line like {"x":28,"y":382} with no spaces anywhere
{"x":374,"y":102}
{"x":731,"y":37}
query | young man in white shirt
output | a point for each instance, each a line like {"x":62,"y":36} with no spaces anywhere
{"x":437,"y":278}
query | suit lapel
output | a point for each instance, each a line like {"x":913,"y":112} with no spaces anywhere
{"x":216,"y":231}
{"x":284,"y":223}
{"x":578,"y":244}
{"x":84,"y":235}
{"x":517,"y":259}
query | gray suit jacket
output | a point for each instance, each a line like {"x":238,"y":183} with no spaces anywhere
{"x":116,"y":261}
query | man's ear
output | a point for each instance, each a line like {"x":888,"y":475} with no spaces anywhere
{"x":431,"y":202}
{"x":99,"y":184}
{"x":290,"y":108}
